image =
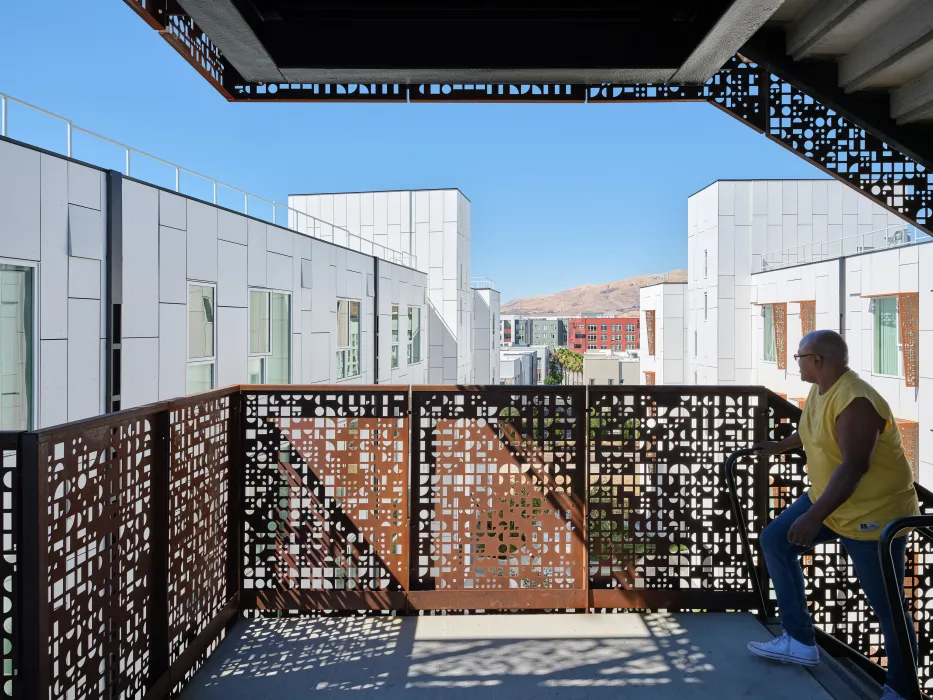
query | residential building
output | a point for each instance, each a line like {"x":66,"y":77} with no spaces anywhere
{"x":549,"y":330}
{"x":117,"y":293}
{"x":613,"y":333}
{"x":770,"y":261}
{"x":515,"y":330}
{"x":486,"y":302}
{"x":432,"y":225}
{"x":662,"y":316}
{"x":607,"y":368}
{"x":518,"y":366}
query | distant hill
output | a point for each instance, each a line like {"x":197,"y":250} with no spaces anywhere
{"x":612,"y":297}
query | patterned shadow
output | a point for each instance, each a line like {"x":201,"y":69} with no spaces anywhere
{"x":326,"y":519}
{"x":498,"y":498}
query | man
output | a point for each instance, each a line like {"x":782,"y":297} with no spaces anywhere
{"x":861,"y":480}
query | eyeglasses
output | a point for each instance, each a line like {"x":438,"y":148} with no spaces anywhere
{"x":806,"y":354}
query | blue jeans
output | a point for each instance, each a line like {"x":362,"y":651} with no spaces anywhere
{"x":783,"y":559}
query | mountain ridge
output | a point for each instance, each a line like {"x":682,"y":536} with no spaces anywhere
{"x":618,"y":297}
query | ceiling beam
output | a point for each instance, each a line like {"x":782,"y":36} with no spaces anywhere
{"x":914,"y":101}
{"x":908,"y":32}
{"x":736,"y":26}
{"x":230,"y":33}
{"x":810,"y":29}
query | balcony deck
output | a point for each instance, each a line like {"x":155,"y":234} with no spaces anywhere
{"x":654,"y":655}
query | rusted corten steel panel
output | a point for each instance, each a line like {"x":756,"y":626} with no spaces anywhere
{"x":649,"y":331}
{"x":498,"y":498}
{"x":199,"y":490}
{"x":326,"y":499}
{"x":908,"y":308}
{"x":96,"y":479}
{"x":780,"y":334}
{"x":660,"y":525}
{"x":807,"y":317}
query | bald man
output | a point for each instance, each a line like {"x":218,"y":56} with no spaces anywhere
{"x":860,"y":481}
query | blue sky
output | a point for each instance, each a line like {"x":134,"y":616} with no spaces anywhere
{"x":562,"y":194}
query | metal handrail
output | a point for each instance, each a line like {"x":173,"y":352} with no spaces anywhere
{"x":729,"y":469}
{"x":353,"y":241}
{"x":893,"y":591}
{"x":903,"y":235}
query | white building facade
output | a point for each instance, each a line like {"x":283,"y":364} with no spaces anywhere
{"x":434,"y":227}
{"x":117,"y":293}
{"x":663,"y":333}
{"x":770,"y":261}
{"x":486,"y":303}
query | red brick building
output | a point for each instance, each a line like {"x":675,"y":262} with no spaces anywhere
{"x":603,"y":333}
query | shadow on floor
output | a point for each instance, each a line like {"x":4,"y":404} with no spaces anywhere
{"x":499,"y":656}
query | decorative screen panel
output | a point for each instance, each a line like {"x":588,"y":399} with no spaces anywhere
{"x":649,"y":331}
{"x":10,"y":619}
{"x":199,"y":493}
{"x":910,"y":439}
{"x":807,"y":317}
{"x":908,"y":309}
{"x":99,"y":556}
{"x":780,"y":334}
{"x":659,"y":511}
{"x":498,"y":490}
{"x":649,"y":378}
{"x":326,"y":489}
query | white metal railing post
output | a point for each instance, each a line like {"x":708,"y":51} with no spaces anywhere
{"x":68,"y":125}
{"x":127,"y":162}
{"x":177,"y":180}
{"x":215,"y":190}
{"x":273,"y":213}
{"x":2,"y":115}
{"x":246,"y":204}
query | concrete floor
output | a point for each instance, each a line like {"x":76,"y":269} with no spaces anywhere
{"x":500,"y":656}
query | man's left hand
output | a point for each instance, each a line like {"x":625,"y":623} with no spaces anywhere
{"x":804,"y":530}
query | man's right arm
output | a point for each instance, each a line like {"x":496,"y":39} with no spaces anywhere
{"x":769,"y":448}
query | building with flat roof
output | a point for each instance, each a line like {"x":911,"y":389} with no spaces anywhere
{"x":614,"y":333}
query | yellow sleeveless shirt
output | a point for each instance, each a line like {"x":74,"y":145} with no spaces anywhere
{"x":886,"y":491}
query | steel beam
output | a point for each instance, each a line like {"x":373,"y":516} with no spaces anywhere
{"x":736,"y":26}
{"x":891,"y":47}
{"x":813,"y":27}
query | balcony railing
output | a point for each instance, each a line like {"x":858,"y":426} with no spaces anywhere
{"x":133,"y":541}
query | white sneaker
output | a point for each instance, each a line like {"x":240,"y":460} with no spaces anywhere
{"x":787,"y":649}
{"x":889,"y":694}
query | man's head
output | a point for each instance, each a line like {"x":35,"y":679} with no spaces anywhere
{"x":822,"y":354}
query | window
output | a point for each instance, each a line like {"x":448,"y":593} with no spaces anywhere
{"x":591,"y":346}
{"x":269,"y":337}
{"x":886,"y":347}
{"x":769,"y":343}
{"x":17,"y":347}
{"x":705,"y":262}
{"x":630,"y":346}
{"x":705,"y":306}
{"x":395,"y":336}
{"x":629,"y":328}
{"x":603,"y":327}
{"x":696,"y":346}
{"x":348,"y":338}
{"x":630,"y":337}
{"x":414,"y":334}
{"x":603,"y":338}
{"x":200,"y":338}
{"x":591,"y":328}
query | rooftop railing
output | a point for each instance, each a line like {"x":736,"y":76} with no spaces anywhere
{"x":894,"y":236}
{"x":138,"y":164}
{"x":483,"y":283}
{"x":134,"y":541}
